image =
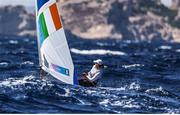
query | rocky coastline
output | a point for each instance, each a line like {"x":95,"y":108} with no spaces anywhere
{"x":142,"y":20}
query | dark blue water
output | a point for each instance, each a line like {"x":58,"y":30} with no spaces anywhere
{"x":141,"y":77}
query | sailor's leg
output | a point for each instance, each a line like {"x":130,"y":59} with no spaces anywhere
{"x":83,"y":76}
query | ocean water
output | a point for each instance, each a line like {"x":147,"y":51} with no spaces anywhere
{"x":141,"y":77}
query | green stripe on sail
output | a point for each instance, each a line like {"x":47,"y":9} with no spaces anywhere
{"x":44,"y":26}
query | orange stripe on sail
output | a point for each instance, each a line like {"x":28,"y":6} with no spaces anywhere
{"x":55,"y":16}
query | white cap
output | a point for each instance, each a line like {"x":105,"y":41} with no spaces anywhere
{"x":98,"y":61}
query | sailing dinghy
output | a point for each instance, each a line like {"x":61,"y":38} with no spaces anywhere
{"x":54,"y":53}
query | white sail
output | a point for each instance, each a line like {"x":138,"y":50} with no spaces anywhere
{"x":54,"y":53}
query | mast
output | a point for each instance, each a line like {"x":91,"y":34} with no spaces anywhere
{"x":37,"y":30}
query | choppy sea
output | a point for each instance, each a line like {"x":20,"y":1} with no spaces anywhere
{"x":141,"y":77}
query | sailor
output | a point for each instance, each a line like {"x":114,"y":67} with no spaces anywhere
{"x":91,"y":78}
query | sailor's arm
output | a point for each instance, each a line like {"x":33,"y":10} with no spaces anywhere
{"x":95,"y":76}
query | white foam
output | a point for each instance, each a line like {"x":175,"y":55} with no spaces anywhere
{"x":27,"y":62}
{"x":128,"y":41}
{"x":165,"y":47}
{"x":129,"y":103}
{"x":3,"y":64}
{"x":14,"y":82}
{"x":134,"y":86}
{"x":178,"y":50}
{"x":104,"y":102}
{"x":172,"y":111}
{"x":131,"y":106}
{"x":132,"y":66}
{"x":90,"y":91}
{"x":13,"y":41}
{"x":113,"y":89}
{"x":105,"y":44}
{"x":160,"y":89}
{"x":67,"y":92}
{"x":97,"y":52}
{"x":102,"y":44}
{"x":117,"y":103}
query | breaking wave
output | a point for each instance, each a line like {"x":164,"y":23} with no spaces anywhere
{"x":178,"y":50}
{"x":13,"y":42}
{"x":97,"y":52}
{"x":10,"y":82}
{"x":163,"y":47}
{"x":132,"y":66}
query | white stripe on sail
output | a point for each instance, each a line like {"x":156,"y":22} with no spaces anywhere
{"x":49,"y":21}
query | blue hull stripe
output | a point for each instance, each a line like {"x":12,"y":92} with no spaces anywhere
{"x":40,"y":3}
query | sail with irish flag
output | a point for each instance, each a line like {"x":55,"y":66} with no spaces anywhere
{"x":54,"y":53}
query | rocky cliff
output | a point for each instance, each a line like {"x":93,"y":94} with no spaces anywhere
{"x":104,"y":19}
{"x":16,"y":21}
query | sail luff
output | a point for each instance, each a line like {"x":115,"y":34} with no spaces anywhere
{"x":38,"y":38}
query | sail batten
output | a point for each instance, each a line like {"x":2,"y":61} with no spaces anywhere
{"x":55,"y":56}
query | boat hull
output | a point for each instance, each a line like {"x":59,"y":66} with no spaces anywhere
{"x":86,"y":83}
